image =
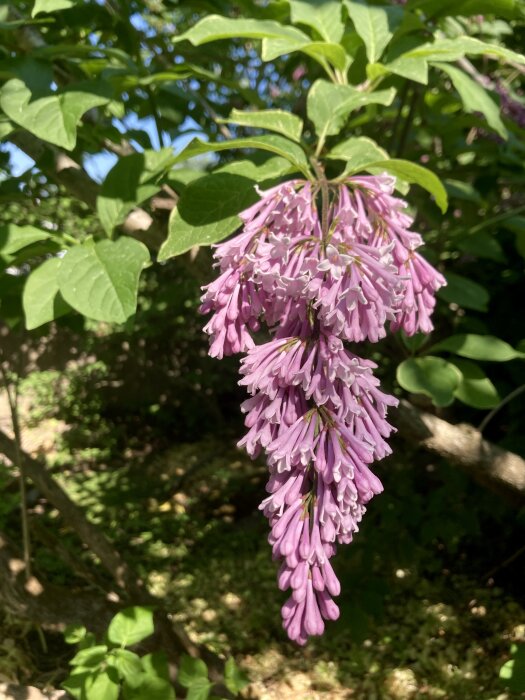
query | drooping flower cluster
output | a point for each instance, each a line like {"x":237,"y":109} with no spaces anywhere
{"x":317,"y":279}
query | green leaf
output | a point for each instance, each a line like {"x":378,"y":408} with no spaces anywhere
{"x":154,"y":682}
{"x":358,"y":152}
{"x":14,"y":238}
{"x":207,"y":212}
{"x":274,"y":167}
{"x":412,"y":68}
{"x":199,"y":690}
{"x":501,"y":8}
{"x":324,"y":16}
{"x":127,"y":664}
{"x":215,"y":27}
{"x":53,"y":118}
{"x":75,"y":683}
{"x":101,"y":280}
{"x":6,"y":128}
{"x":284,"y":123}
{"x":269,"y":142}
{"x":375,"y":25}
{"x":179,"y":178}
{"x":191,"y":670}
{"x":512,"y":673}
{"x":91,"y":657}
{"x":131,"y":626}
{"x":458,"y":189}
{"x":451,"y":50}
{"x":478,"y":347}
{"x":320,"y":51}
{"x":328,"y":105}
{"x":234,"y":677}
{"x":417,"y":174}
{"x":432,"y":376}
{"x":475,"y":98}
{"x":41,"y":299}
{"x":482,"y":245}
{"x":441,"y":8}
{"x":475,"y":388}
{"x":51,"y":6}
{"x":131,"y":181}
{"x":102,"y":686}
{"x":74,"y":634}
{"x":277,"y":38}
{"x":464,"y":292}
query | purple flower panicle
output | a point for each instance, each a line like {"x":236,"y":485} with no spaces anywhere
{"x":316,"y":409}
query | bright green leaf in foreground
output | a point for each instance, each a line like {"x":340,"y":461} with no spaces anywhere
{"x":215,"y":27}
{"x":154,"y":681}
{"x":479,"y":347}
{"x":274,"y":167}
{"x":14,"y":238}
{"x":53,"y":118}
{"x":91,"y":657}
{"x":131,"y":626}
{"x":284,"y":123}
{"x":41,"y":299}
{"x":234,"y":677}
{"x":128,"y":665}
{"x":475,"y":98}
{"x":51,"y":6}
{"x":512,"y":673}
{"x":416,"y":174}
{"x":375,"y":25}
{"x":73,"y":634}
{"x":328,"y":106}
{"x":451,"y":50}
{"x":191,"y":670}
{"x":103,"y":685}
{"x":432,"y":376}
{"x":268,"y":142}
{"x":207,"y":212}
{"x":323,"y":16}
{"x":101,"y":280}
{"x":320,"y":51}
{"x":475,"y":388}
{"x":358,"y":152}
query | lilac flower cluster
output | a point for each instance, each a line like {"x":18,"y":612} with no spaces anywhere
{"x":316,"y":409}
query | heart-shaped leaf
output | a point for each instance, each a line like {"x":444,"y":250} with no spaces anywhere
{"x":101,"y":280}
{"x":53,"y":118}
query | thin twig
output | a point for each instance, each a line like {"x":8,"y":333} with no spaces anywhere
{"x":12,"y":399}
{"x":325,"y":203}
{"x":403,"y":99}
{"x":505,"y":563}
{"x":503,"y":402}
{"x":498,"y":218}
{"x":408,"y":122}
{"x":213,"y":114}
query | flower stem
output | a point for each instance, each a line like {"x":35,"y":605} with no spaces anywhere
{"x":325,"y":199}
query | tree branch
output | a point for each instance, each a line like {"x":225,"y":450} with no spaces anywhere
{"x":464,"y":446}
